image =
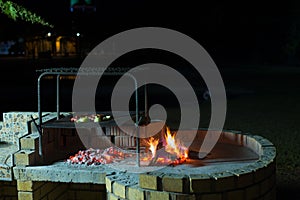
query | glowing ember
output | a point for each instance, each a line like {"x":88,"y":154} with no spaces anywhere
{"x":97,"y":156}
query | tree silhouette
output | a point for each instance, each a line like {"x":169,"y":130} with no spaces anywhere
{"x":17,"y":12}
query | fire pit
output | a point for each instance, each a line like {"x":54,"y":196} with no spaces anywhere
{"x":162,"y":149}
{"x":240,"y":166}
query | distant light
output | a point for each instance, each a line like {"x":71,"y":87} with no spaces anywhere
{"x":49,"y":34}
{"x":77,"y":34}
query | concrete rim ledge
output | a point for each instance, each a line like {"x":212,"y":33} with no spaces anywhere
{"x":255,"y":179}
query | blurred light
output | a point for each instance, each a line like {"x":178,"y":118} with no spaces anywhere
{"x":49,"y":34}
{"x":57,"y":44}
{"x":77,"y":34}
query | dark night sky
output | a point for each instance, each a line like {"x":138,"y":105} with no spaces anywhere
{"x":246,"y":28}
{"x":190,"y":15}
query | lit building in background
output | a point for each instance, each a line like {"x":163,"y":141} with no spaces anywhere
{"x":52,"y":45}
{"x":68,"y":43}
{"x":70,"y":36}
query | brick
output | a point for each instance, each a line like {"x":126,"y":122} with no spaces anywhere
{"x":58,"y":191}
{"x":174,"y":196}
{"x":29,"y":143}
{"x":83,"y":195}
{"x":9,"y":191}
{"x":47,"y":188}
{"x":25,"y":157}
{"x":99,"y":177}
{"x":109,"y":182}
{"x":271,"y":195}
{"x":98,"y":187}
{"x":211,"y":196}
{"x":236,"y":195}
{"x":267,"y":184}
{"x":101,"y":195}
{"x":175,"y":183}
{"x":151,"y":181}
{"x":100,"y":142}
{"x":119,"y":189}
{"x":28,"y":185}
{"x":135,"y":193}
{"x":261,"y":174}
{"x":71,"y":194}
{"x":244,"y":179}
{"x":252,"y":192}
{"x":272,"y":166}
{"x":125,"y":141}
{"x":87,"y":186}
{"x":10,"y":183}
{"x":111,"y":196}
{"x":28,"y":195}
{"x":155,"y":195}
{"x":44,"y":198}
{"x":200,"y":183}
{"x":224,"y":181}
{"x":80,"y":186}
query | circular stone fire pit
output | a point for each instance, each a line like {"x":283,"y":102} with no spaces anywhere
{"x":241,"y":166}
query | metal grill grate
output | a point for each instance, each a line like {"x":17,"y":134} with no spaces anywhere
{"x":117,"y":71}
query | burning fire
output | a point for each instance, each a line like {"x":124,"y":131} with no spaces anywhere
{"x":164,"y":151}
{"x":153,"y":146}
{"x":175,"y":147}
{"x":173,"y":152}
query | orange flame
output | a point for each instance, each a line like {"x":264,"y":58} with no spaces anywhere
{"x":174,"y":152}
{"x":174,"y":147}
{"x":153,"y":146}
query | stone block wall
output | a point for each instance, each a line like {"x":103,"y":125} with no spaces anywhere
{"x":8,"y":190}
{"x":35,"y":190}
{"x":18,"y":130}
{"x":30,"y":190}
{"x":15,"y":125}
{"x":247,"y":185}
{"x":82,"y":191}
{"x":256,"y":181}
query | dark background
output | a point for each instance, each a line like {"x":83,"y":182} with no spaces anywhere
{"x":255,"y":45}
{"x":252,"y":31}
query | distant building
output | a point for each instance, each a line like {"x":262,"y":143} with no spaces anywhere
{"x":49,"y":46}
